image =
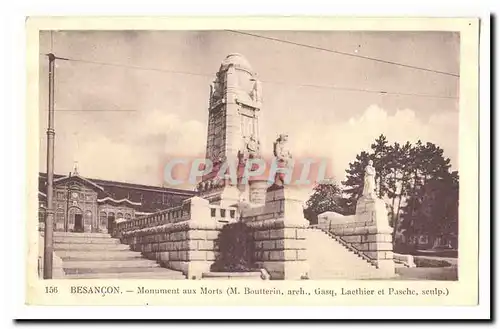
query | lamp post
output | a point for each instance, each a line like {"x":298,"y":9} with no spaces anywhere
{"x":49,"y":218}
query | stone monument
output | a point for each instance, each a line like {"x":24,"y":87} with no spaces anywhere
{"x":283,"y":157}
{"x":368,"y":230}
{"x":370,"y":208}
{"x":233,"y":129}
{"x":271,"y":208}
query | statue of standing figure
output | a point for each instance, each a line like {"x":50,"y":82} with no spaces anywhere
{"x":253,"y":147}
{"x":369,"y":184}
{"x":281,"y":151}
{"x":283,"y":157}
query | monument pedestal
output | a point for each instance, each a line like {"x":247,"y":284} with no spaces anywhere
{"x":258,"y":191}
{"x":375,"y":239}
{"x":370,"y":209}
{"x":279,"y":234}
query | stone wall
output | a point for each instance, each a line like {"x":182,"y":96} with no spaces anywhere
{"x":181,"y":238}
{"x":185,"y":238}
{"x":373,"y":242}
{"x":279,"y":234}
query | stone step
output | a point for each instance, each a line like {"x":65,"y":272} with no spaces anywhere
{"x":339,"y":260}
{"x":153,"y":273}
{"x":327,"y":266}
{"x":83,"y":246}
{"x":344,"y":276}
{"x":339,"y":254}
{"x":329,"y":259}
{"x":98,"y":255}
{"x":80,"y":235}
{"x":232,"y":276}
{"x":80,"y":270}
{"x":110,"y":264}
{"x":85,"y":240}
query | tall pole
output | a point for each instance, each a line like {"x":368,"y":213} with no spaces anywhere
{"x":49,"y":219}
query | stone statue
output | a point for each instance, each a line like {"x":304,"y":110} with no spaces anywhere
{"x":369,"y":184}
{"x":253,"y":147}
{"x":256,"y":93}
{"x":250,"y":148}
{"x":215,"y":92}
{"x":281,"y":151}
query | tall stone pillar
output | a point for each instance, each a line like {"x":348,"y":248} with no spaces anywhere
{"x":200,"y":236}
{"x":235,"y":101}
{"x":232,"y":122}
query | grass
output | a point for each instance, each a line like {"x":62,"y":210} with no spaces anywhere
{"x":428,"y":273}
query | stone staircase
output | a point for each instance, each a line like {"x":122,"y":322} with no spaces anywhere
{"x":99,"y":256}
{"x":331,"y":260}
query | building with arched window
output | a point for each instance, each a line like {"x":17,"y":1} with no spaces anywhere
{"x":93,"y":205}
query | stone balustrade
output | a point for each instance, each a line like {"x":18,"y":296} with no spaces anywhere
{"x":171,"y":215}
{"x":180,"y":238}
{"x":406,"y":260}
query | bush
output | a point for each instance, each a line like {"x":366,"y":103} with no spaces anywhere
{"x":236,"y":249}
{"x":402,"y":248}
{"x":430,"y":262}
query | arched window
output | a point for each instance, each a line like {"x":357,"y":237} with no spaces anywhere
{"x":60,"y":215}
{"x":119,"y":215}
{"x":103,"y":218}
{"x":88,"y":218}
{"x":128,"y":216}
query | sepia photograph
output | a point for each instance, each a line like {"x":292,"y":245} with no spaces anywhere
{"x":248,"y":154}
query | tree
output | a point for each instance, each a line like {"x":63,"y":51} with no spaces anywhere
{"x":382,"y":156}
{"x":433,"y":210}
{"x":353,"y":185}
{"x":401,"y":167}
{"x":327,"y":196}
{"x":410,"y":179}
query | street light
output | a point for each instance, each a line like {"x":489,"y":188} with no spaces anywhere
{"x":49,"y":218}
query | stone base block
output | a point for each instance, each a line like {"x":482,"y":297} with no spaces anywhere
{"x":372,"y":210}
{"x":230,"y":196}
{"x":387,"y":266}
{"x":257,"y":193}
{"x":293,"y":270}
{"x":193,"y":270}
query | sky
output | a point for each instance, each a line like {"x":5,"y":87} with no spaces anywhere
{"x":120,"y":122}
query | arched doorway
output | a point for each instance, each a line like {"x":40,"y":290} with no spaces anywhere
{"x":103,"y":221}
{"x":75,"y":220}
{"x":111,"y":222}
{"x":87,"y":221}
